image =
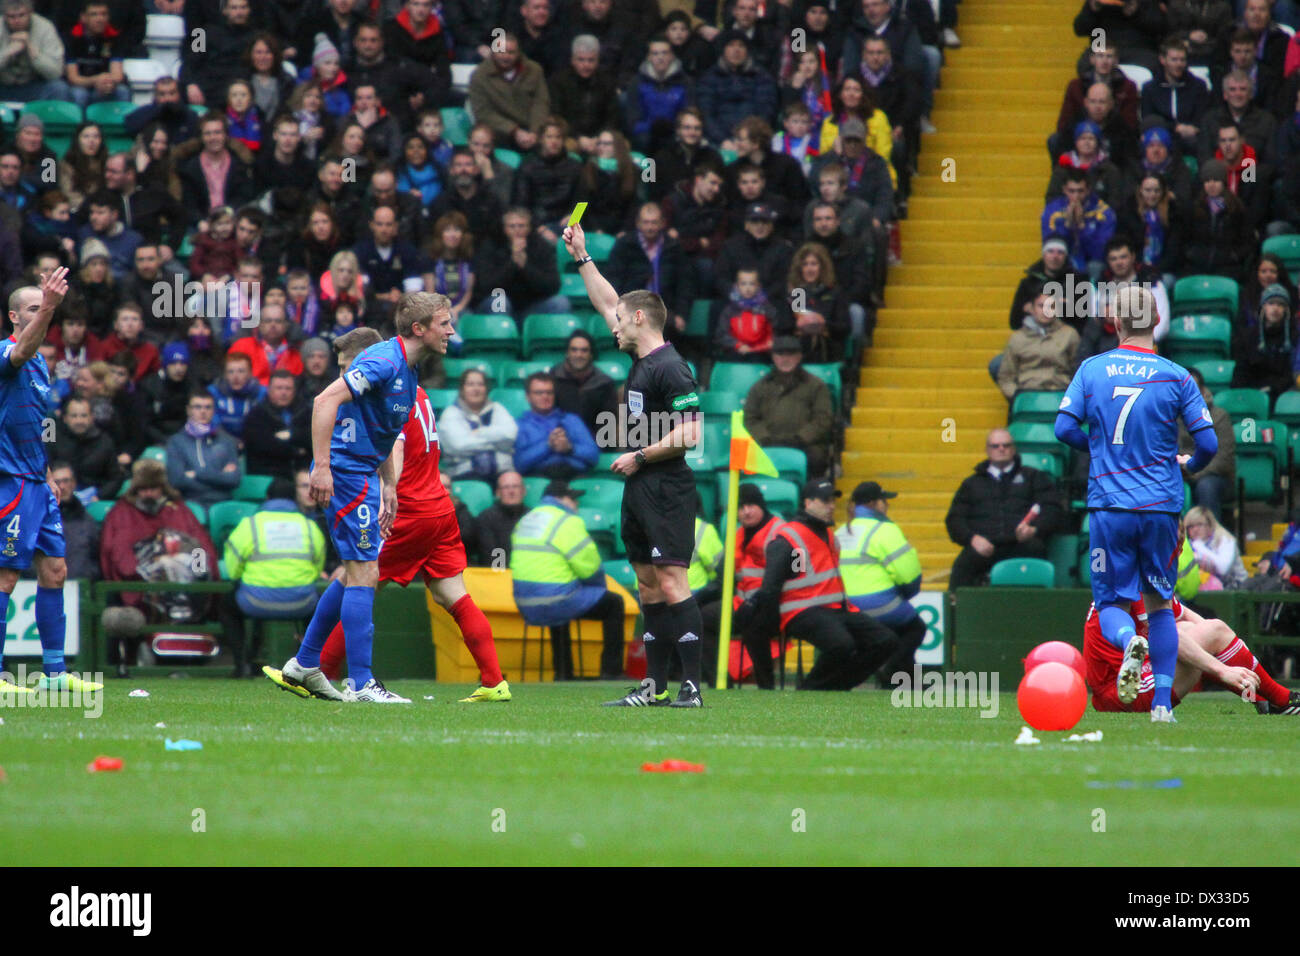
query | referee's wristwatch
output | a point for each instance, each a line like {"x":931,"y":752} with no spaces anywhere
{"x":640,"y":458}
{"x":584,"y":260}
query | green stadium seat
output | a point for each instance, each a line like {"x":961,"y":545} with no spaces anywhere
{"x":507,"y":156}
{"x":1242,"y":403}
{"x":603,"y":462}
{"x":828,"y":372}
{"x":1286,"y":248}
{"x":737,"y":377}
{"x":782,"y":496}
{"x":252,"y":488}
{"x":792,"y":463}
{"x":454,"y":368}
{"x":1194,"y":337}
{"x":1216,"y":372}
{"x":110,"y":117}
{"x":729,"y":156}
{"x":549,"y":331}
{"x":441,"y":398}
{"x":717,"y":405}
{"x":1205,"y":294}
{"x":1039,"y":437}
{"x":1084,"y":570}
{"x":1042,"y":461}
{"x":603,"y":526}
{"x":1036,"y":407}
{"x":621,"y":571}
{"x":599,"y":246}
{"x":456,"y":124}
{"x":715,"y":442}
{"x":1063,"y":552}
{"x":59,"y":116}
{"x":489,"y":333}
{"x":706,"y":483}
{"x":601,"y":493}
{"x":595,"y":324}
{"x":58,"y":144}
{"x":477,"y":495}
{"x":572,"y":287}
{"x":224,"y":516}
{"x":533,"y":486}
{"x":512,"y":400}
{"x":98,"y":510}
{"x":155,"y":453}
{"x":697,"y":323}
{"x":1260,"y":462}
{"x":514,"y":372}
{"x":1287,"y":409}
{"x":199,"y":512}
{"x":1023,"y":573}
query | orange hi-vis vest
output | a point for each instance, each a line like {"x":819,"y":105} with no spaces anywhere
{"x":817,"y":583}
{"x":750,"y":559}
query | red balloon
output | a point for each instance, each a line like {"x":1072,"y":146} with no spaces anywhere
{"x":1055,"y":651}
{"x":1052,"y":696}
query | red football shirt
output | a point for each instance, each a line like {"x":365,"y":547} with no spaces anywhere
{"x":418,"y":489}
{"x":1102,"y":658}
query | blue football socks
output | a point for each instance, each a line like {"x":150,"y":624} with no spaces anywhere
{"x":51,"y":624}
{"x":1164,"y":655}
{"x":359,"y":633}
{"x":328,"y":611}
{"x":4,"y":627}
{"x":1116,"y":625}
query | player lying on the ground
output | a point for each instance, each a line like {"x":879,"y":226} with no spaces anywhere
{"x":425,"y":538}
{"x":1207,"y":650}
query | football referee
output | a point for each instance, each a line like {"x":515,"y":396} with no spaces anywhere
{"x":661,"y":414}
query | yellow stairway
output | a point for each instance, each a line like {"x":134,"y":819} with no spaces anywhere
{"x":926,"y":400}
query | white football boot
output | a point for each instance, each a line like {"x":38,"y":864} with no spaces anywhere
{"x":373,"y":693}
{"x":1130,"y":672}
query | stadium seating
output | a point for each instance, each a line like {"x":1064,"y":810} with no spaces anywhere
{"x":1039,"y":437}
{"x":1200,"y":295}
{"x":454,"y":368}
{"x":456,"y":124}
{"x":1242,"y":403}
{"x":513,"y":400}
{"x":1042,"y":461}
{"x":1287,"y":409}
{"x":697,"y":323}
{"x":549,"y":331}
{"x":792,"y":463}
{"x":441,"y":398}
{"x":199,"y":512}
{"x":98,"y":510}
{"x":1286,"y":248}
{"x":1192,"y":338}
{"x":603,"y":526}
{"x":252,"y":488}
{"x":1216,"y":372}
{"x":601,"y":493}
{"x":533,"y":486}
{"x":599,"y":246}
{"x":164,"y":34}
{"x":477,"y":495}
{"x":603,"y":462}
{"x":1036,"y":407}
{"x":828,"y":372}
{"x":514,"y":372}
{"x":615,"y":368}
{"x":60,"y":118}
{"x":224,"y":516}
{"x":1063,"y":551}
{"x":621,"y":571}
{"x":156,"y":453}
{"x":507,"y":156}
{"x":1261,"y":456}
{"x":781,"y":496}
{"x":737,"y":377}
{"x":489,"y":333}
{"x":715,"y":442}
{"x":1140,"y":75}
{"x":110,"y":118}
{"x":1023,"y":573}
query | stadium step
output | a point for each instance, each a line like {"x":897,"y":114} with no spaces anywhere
{"x":924,"y":357}
{"x":896,"y":317}
{"x":892,"y":338}
{"x":878,"y":376}
{"x":996,"y":298}
{"x":986,"y":208}
{"x":969,"y":98}
{"x":982,"y":418}
{"x":901,"y":433}
{"x":1027,"y":232}
{"x":941,"y":274}
{"x":979,"y":186}
{"x":938,"y":252}
{"x":861,"y":466}
{"x":985,"y":163}
{"x":948,"y":398}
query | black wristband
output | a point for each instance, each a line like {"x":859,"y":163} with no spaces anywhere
{"x":583,"y":261}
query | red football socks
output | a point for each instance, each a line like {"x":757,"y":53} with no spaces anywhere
{"x":476,"y":631}
{"x":333,"y":653}
{"x":1237,"y":654}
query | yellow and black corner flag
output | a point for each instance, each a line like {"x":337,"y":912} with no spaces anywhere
{"x":747,"y":456}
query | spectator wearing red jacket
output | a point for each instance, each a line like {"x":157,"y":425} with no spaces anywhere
{"x":269,"y":350}
{"x":128,"y":329}
{"x":745,"y":324}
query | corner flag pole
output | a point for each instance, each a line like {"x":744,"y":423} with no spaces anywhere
{"x":729,"y":561}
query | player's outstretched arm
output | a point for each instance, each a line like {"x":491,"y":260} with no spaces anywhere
{"x":54,"y":287}
{"x":603,"y":296}
{"x":323,"y":412}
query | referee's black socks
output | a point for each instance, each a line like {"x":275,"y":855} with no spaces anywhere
{"x":658,"y":642}
{"x":686,"y":625}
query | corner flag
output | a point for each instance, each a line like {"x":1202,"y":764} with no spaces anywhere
{"x":747,"y":456}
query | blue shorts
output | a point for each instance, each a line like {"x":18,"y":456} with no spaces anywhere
{"x":30,"y":521}
{"x":353,"y":516}
{"x":1132,"y":552}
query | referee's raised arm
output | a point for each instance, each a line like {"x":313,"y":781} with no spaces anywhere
{"x":602,"y":295}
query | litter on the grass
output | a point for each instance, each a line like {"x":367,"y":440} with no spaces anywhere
{"x":3,"y":776}
{"x":1027,"y":737}
{"x":428,"y":697}
{"x":104,"y":763}
{"x":138,"y":693}
{"x":1172,"y":783}
{"x":1093,"y":736}
{"x":160,"y":725}
{"x":673,"y":766}
{"x":182,"y":744}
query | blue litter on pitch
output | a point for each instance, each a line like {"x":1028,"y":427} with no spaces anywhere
{"x":1171,"y":784}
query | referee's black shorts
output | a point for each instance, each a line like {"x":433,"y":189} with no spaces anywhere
{"x":658,"y":525}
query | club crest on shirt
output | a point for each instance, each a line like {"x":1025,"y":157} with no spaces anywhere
{"x":635,"y":402}
{"x":1065,"y":401}
{"x":1205,"y":414}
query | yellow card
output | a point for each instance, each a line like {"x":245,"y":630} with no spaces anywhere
{"x":578,"y":210}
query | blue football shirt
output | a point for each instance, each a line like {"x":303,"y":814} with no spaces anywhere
{"x":383,"y":387}
{"x":24,"y":404}
{"x":1131,"y":400}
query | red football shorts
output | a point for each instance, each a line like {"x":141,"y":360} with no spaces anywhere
{"x":422,"y":544}
{"x":1105,"y":697}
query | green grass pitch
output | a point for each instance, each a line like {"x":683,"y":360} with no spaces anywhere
{"x":551,"y":778}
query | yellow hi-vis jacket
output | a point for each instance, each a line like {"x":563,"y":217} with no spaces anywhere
{"x":555,"y":565}
{"x":881,"y":571}
{"x":1189,"y":575}
{"x":277,"y":554}
{"x":706,"y":559}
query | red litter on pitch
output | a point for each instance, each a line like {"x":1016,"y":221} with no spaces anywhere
{"x":673,"y":766}
{"x":104,"y":763}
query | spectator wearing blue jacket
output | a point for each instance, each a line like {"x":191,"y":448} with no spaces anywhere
{"x":733,"y":89}
{"x":551,"y":442}
{"x":236,"y":393}
{"x":1175,"y":98}
{"x":660,"y":91}
{"x":202,"y":460}
{"x":1083,"y":220}
{"x":419,"y":174}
